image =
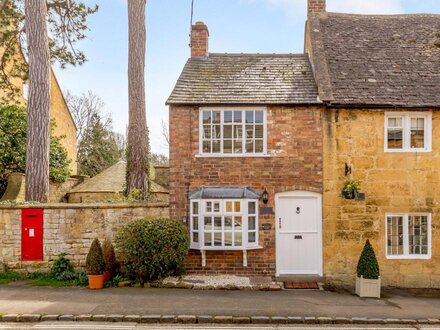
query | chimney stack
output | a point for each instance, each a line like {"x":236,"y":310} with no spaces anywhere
{"x":315,"y":6}
{"x":199,"y":40}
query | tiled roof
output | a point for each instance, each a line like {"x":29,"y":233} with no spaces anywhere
{"x":377,"y":60}
{"x":237,"y":192}
{"x":246,"y":79}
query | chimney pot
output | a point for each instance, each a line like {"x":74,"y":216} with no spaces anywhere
{"x":315,"y":6}
{"x":199,"y":40}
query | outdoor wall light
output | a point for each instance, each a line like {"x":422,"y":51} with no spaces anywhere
{"x":347,"y":169}
{"x":265,"y":196}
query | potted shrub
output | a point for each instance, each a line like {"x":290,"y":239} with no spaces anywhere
{"x":351,"y":188}
{"x":95,"y":265}
{"x":108,"y":252}
{"x":368,"y":276}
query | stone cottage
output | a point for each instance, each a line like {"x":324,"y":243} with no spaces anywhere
{"x":261,"y":145}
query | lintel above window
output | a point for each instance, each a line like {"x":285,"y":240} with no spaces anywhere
{"x":408,"y":131}
{"x":233,"y":132}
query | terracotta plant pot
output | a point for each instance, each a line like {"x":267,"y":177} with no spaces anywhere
{"x":107,"y":276}
{"x":96,"y":281}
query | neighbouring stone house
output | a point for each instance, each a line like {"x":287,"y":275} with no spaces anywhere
{"x":260,"y":145}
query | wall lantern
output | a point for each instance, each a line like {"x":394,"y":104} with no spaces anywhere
{"x":265,"y":196}
{"x":347,"y":169}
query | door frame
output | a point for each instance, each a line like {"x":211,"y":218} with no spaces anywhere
{"x":306,"y":195}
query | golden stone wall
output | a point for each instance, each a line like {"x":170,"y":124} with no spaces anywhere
{"x":393,"y":182}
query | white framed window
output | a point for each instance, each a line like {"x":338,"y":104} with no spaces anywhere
{"x":224,"y":224}
{"x":408,"y":131}
{"x":232,"y":132}
{"x":408,"y":235}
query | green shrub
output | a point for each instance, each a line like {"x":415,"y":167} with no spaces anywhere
{"x":368,"y":266}
{"x":108,"y":252}
{"x":62,"y":269}
{"x":151,"y":249}
{"x":95,"y":261}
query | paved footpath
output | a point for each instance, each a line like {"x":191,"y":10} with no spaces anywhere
{"x":190,"y":306}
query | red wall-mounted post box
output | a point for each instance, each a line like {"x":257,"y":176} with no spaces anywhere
{"x":31,"y":234}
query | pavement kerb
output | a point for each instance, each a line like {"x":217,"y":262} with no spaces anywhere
{"x":224,"y":319}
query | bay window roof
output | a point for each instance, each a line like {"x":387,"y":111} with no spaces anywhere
{"x":233,"y":192}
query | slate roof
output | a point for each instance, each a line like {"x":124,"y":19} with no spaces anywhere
{"x":246,"y":79}
{"x":233,"y":192}
{"x":377,"y":60}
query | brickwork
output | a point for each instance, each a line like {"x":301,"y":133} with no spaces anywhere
{"x":393,"y":182}
{"x":199,"y":40}
{"x":315,"y":6}
{"x":294,"y":163}
{"x":69,"y":229}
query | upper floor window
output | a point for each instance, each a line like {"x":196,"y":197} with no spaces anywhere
{"x":408,"y":132}
{"x":233,"y":132}
{"x":408,"y":236}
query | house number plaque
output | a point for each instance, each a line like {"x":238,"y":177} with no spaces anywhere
{"x":266,"y":226}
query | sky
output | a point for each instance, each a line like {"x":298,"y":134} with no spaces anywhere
{"x":235,"y":26}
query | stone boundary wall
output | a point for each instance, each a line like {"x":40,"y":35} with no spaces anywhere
{"x":69,"y":229}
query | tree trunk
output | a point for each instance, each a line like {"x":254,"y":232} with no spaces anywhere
{"x":38,"y":118}
{"x":137,"y":149}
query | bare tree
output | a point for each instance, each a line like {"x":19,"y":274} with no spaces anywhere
{"x":38,"y":117}
{"x":166,"y":133}
{"x":137,"y":148}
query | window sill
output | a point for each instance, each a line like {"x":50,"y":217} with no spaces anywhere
{"x":409,"y":257}
{"x":407,"y":150}
{"x":233,"y":156}
{"x":221,"y":248}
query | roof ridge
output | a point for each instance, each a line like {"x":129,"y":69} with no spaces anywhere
{"x":383,"y":15}
{"x":258,"y":54}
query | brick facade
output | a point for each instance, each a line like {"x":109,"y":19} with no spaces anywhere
{"x":199,"y":40}
{"x":315,"y":6}
{"x":294,"y":143}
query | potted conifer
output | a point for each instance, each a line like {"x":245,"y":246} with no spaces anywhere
{"x":109,"y":259}
{"x":95,"y":265}
{"x":368,"y":276}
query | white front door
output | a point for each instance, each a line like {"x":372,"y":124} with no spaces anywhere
{"x":298,"y":233}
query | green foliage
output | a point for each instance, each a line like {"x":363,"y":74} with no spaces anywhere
{"x":352,"y":186}
{"x":13,"y":147}
{"x":8,"y":277}
{"x":67,"y":24}
{"x":151,"y":249}
{"x":81,"y":279}
{"x":368,"y":267}
{"x":97,"y":149}
{"x":114,"y":282}
{"x":62,"y":269}
{"x":95,"y":261}
{"x":108,"y":252}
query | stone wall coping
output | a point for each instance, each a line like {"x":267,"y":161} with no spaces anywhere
{"x":85,"y":205}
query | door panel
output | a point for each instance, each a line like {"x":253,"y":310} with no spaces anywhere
{"x":298,"y":238}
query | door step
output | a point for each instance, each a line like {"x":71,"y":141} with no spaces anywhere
{"x":301,"y":285}
{"x":300,"y":278}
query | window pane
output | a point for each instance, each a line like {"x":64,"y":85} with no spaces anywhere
{"x":238,"y":132}
{"x":237,"y":239}
{"x":208,"y":239}
{"x":195,"y":206}
{"x":251,"y":224}
{"x":395,"y":138}
{"x":227,"y":117}
{"x":207,"y":131}
{"x":229,"y":207}
{"x":237,"y":116}
{"x":195,"y":237}
{"x":238,"y":149}
{"x":208,"y":223}
{"x":249,"y":131}
{"x":218,"y":239}
{"x":395,"y":235}
{"x":195,"y":223}
{"x":216,"y":207}
{"x":237,"y":206}
{"x":208,"y":206}
{"x":259,"y":131}
{"x":252,"y":237}
{"x":418,"y":234}
{"x":249,"y":116}
{"x":216,"y":146}
{"x":251,"y":208}
{"x":237,"y":223}
{"x":228,"y":223}
{"x":217,"y":223}
{"x":249,"y":146}
{"x":216,"y":131}
{"x":259,"y":146}
{"x":417,"y":133}
{"x":395,"y":122}
{"x":227,"y":146}
{"x":216,"y":117}
{"x":228,"y":238}
{"x":206,"y":146}
{"x":227,"y":132}
{"x":259,"y":117}
{"x":207,"y":117}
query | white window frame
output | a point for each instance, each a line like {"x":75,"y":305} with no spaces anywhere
{"x":406,"y":254}
{"x":244,"y":213}
{"x":222,"y":110}
{"x":406,"y":130}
